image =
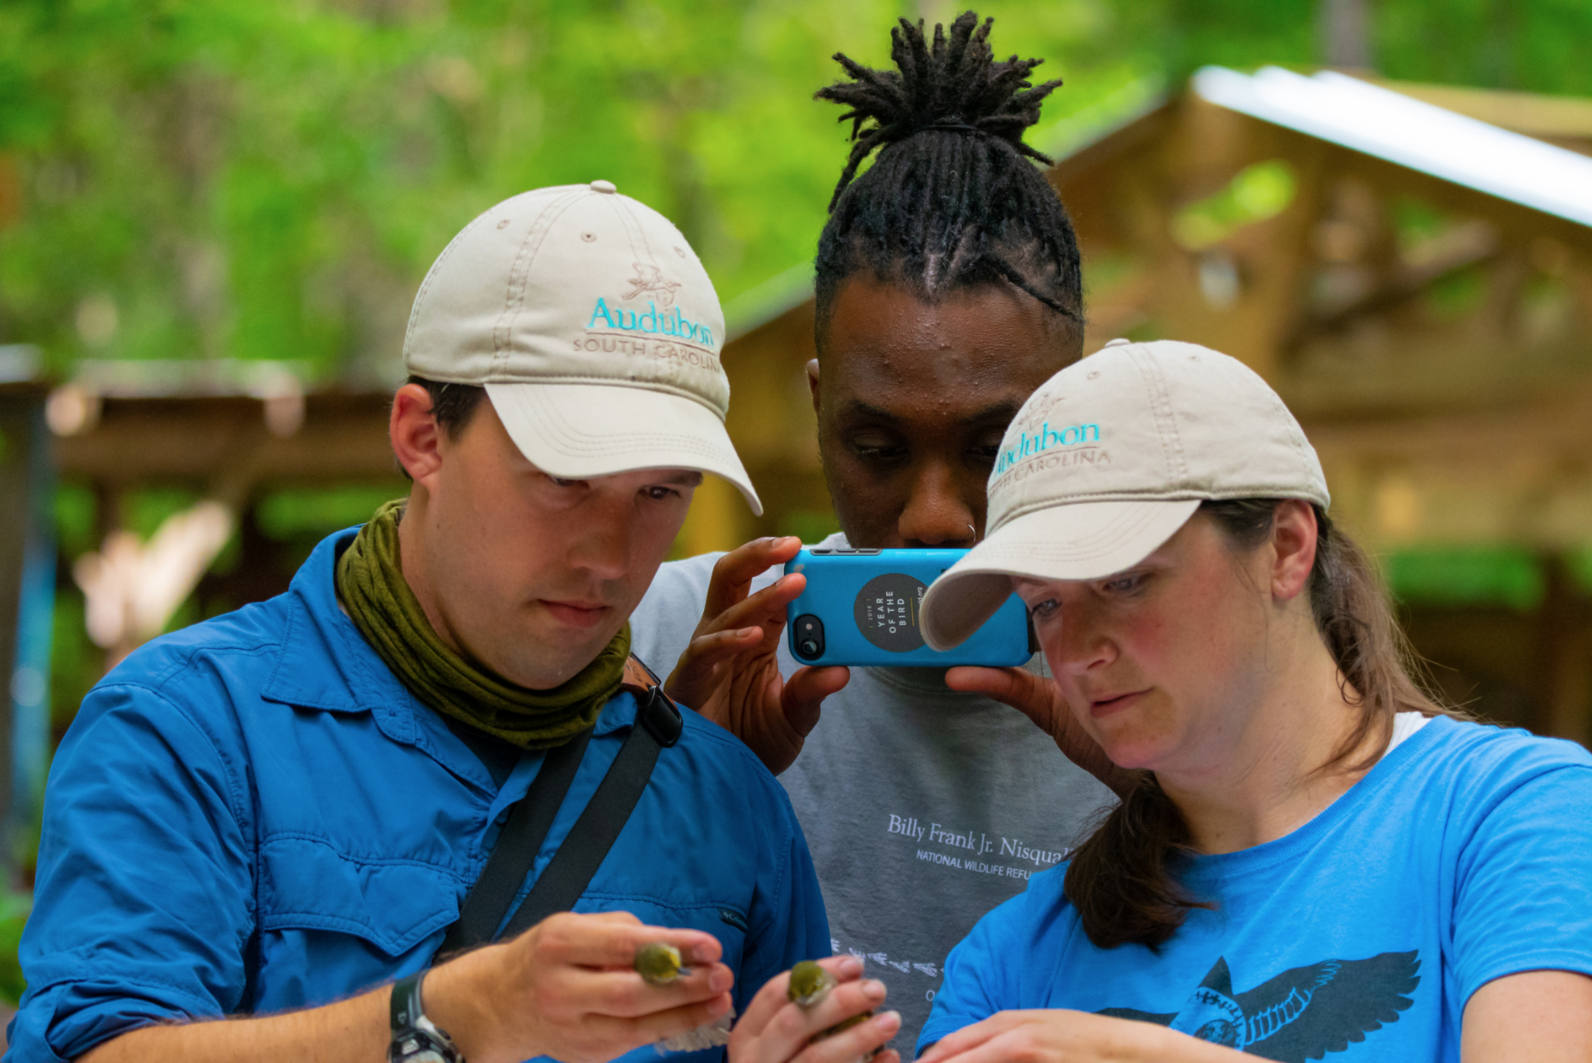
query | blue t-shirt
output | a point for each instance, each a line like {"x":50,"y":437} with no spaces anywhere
{"x":253,"y":815}
{"x":1463,"y":856}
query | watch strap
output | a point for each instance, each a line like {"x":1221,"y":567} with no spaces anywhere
{"x":414,"y":1036}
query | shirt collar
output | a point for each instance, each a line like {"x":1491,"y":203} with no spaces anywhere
{"x":326,"y":664}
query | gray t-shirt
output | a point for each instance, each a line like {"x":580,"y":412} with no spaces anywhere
{"x":924,"y":808}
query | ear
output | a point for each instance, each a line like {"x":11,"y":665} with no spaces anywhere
{"x":812,"y":382}
{"x":1293,"y":542}
{"x":415,"y":434}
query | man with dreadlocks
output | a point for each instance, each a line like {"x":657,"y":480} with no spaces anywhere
{"x":948,"y":289}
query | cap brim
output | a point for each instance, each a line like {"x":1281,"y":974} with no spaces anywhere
{"x":1084,"y":540}
{"x":580,"y":430}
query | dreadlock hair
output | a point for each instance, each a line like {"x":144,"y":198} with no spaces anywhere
{"x":952,"y":200}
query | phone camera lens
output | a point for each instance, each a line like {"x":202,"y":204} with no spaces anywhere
{"x":809,"y":637}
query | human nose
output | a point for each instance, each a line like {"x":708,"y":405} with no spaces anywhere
{"x":1080,"y":642}
{"x":936,"y":512}
{"x":602,"y":542}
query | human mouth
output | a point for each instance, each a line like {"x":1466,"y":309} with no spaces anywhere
{"x":576,"y":613}
{"x":1108,"y":706}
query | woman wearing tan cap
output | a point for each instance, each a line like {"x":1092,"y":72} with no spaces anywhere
{"x":1315,"y":859}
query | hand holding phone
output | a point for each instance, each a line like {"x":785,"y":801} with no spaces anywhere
{"x":861,"y":607}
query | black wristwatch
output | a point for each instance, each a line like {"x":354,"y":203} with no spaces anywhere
{"x":415,"y":1038}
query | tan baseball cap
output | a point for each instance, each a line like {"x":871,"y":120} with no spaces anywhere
{"x":594,"y":329}
{"x":1108,"y":459}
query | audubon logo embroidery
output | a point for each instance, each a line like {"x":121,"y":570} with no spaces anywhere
{"x":1045,"y":437}
{"x":660,"y":330}
{"x":649,"y":279}
{"x":669,"y":322}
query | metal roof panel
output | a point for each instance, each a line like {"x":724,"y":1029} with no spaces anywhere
{"x":1411,"y":133}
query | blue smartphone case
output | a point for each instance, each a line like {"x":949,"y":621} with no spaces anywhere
{"x":861,"y":607}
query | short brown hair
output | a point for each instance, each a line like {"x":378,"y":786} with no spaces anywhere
{"x":453,"y":405}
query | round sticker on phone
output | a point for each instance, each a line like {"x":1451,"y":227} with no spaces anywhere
{"x":887,"y":611}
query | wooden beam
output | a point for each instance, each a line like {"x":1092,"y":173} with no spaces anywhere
{"x":211,"y":440}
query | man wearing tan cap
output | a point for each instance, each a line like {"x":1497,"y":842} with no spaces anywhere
{"x":436,"y":739}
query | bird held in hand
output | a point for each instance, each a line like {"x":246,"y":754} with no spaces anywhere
{"x":809,"y":985}
{"x":659,"y":963}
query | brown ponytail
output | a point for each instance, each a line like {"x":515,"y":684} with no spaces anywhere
{"x":1123,"y":879}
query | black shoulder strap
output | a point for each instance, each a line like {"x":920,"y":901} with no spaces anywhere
{"x":517,"y":845}
{"x":658,"y":726}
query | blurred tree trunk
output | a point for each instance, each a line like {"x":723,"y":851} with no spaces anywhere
{"x":1344,"y":28}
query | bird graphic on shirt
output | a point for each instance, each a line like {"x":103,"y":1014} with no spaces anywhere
{"x":649,"y":278}
{"x":1302,"y":1014}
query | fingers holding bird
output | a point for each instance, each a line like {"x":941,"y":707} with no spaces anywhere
{"x":661,"y":964}
{"x":777,"y":1028}
{"x":598,"y":954}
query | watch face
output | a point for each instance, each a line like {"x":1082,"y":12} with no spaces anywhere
{"x":413,"y":1053}
{"x":418,"y":1050}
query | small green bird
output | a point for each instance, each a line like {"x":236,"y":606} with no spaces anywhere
{"x":659,"y":963}
{"x":810,"y":984}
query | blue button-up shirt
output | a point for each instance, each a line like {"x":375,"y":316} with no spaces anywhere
{"x":254,"y":814}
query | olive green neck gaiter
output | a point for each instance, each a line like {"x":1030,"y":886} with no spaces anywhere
{"x":370,"y":582}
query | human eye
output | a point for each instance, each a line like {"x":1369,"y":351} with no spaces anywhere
{"x":1129,"y":583}
{"x":676,"y":485}
{"x":877,"y":447}
{"x":1044,"y":610}
{"x":559,"y":481}
{"x":985,"y":451}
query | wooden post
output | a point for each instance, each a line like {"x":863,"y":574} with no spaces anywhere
{"x":1565,"y":673}
{"x":27,"y":601}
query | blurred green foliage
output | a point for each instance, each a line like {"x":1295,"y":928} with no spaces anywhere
{"x":1525,"y":45}
{"x":1454,"y":296}
{"x":223,"y":178}
{"x":315,"y":512}
{"x":1254,"y":194}
{"x":226,"y":178}
{"x":74,"y":519}
{"x":1510,"y":576}
{"x":14,"y":909}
